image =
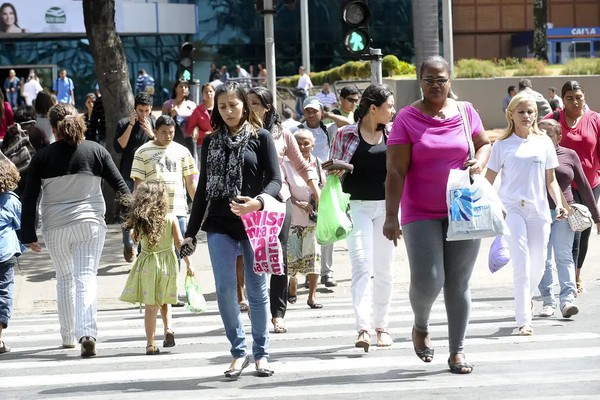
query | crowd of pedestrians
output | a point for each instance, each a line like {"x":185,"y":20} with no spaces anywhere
{"x":230,"y":154}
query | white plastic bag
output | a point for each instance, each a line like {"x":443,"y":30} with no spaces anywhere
{"x":195,"y":299}
{"x":474,"y":209}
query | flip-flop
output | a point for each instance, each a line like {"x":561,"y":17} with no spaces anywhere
{"x":278,"y":326}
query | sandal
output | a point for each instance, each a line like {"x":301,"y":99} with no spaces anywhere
{"x":425,"y":354}
{"x":278,"y":325}
{"x":363,"y":341}
{"x":4,"y":348}
{"x":579,"y":284}
{"x":383,"y":338}
{"x":526,"y":330}
{"x":169,"y":338}
{"x":236,"y":372}
{"x":314,"y":305}
{"x":460,"y":367}
{"x":264,"y":372}
{"x":292,"y":298}
{"x":152,"y":350}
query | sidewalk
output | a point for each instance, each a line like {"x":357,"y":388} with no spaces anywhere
{"x":35,"y":286}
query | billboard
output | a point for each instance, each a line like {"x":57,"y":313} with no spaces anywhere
{"x":34,"y":16}
{"x":59,"y":17}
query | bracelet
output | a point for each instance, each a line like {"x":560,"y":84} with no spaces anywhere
{"x":130,"y":124}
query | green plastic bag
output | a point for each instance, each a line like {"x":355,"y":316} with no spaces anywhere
{"x":195,"y":299}
{"x":334,"y":222}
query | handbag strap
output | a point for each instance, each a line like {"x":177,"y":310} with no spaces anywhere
{"x":467,"y":127}
{"x":565,"y":204}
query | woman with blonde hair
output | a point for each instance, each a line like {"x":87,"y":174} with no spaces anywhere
{"x":526,"y":158}
{"x":69,"y":175}
{"x":238,"y":164}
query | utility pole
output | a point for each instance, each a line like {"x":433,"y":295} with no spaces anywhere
{"x":376,"y":57}
{"x":305,"y":34}
{"x":268,"y":13}
{"x":447,"y":32}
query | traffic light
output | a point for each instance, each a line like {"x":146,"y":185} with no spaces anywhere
{"x":186,"y":62}
{"x":355,"y":26}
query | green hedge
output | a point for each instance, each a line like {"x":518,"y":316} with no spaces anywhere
{"x":531,"y":67}
{"x":474,"y":68}
{"x":352,"y":70}
{"x":582,"y":66}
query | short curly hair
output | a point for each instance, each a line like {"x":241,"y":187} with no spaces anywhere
{"x":9,"y":176}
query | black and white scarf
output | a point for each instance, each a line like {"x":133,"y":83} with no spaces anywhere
{"x":224,"y":173}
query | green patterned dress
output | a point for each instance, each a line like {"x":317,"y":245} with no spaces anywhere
{"x":153,"y":277}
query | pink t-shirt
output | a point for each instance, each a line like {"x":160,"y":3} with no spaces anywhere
{"x":584,"y":138}
{"x":438,"y":145}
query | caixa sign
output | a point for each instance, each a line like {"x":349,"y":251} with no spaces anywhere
{"x":573,"y":32}
{"x":583,"y":31}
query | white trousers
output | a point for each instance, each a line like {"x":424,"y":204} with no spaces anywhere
{"x":528,"y":245}
{"x":75,"y":252}
{"x":371,"y":254}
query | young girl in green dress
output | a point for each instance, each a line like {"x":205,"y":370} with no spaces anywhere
{"x":153,"y":278}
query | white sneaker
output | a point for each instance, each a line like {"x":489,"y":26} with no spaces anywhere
{"x":547,"y":311}
{"x":568,"y":310}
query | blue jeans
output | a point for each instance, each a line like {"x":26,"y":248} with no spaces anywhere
{"x":7,"y":284}
{"x":561,"y":241}
{"x":223,"y":251}
{"x":13,"y":99}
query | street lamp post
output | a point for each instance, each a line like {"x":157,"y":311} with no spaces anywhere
{"x":268,"y":13}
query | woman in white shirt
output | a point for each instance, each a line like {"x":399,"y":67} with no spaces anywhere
{"x":527,"y":159}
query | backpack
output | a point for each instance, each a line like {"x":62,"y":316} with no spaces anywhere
{"x":17,"y":147}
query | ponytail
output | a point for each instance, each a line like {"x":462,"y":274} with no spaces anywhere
{"x":72,"y":129}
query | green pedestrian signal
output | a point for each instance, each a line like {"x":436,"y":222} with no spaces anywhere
{"x":355,"y":26}
{"x":186,"y":76}
{"x":357,"y":42}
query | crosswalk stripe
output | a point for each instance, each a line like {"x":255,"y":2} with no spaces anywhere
{"x":284,"y":367}
{"x":319,"y":345}
{"x":346,"y":348}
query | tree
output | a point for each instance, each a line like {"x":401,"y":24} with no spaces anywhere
{"x":111,"y":70}
{"x":540,"y":23}
{"x":425,"y":30}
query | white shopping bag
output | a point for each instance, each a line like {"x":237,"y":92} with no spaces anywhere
{"x":474,"y":209}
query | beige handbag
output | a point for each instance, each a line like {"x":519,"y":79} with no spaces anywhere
{"x":578,"y":216}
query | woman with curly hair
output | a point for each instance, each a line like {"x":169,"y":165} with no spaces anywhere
{"x":153,"y":278}
{"x":68,"y":174}
{"x":10,"y":248}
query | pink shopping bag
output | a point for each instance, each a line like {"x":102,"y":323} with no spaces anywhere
{"x":262,"y":228}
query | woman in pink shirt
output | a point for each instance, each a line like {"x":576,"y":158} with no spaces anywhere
{"x":580,"y":132}
{"x":427,"y":140}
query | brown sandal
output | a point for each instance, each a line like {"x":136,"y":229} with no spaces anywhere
{"x":363,"y":341}
{"x":152,"y":350}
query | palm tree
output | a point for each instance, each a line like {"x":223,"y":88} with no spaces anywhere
{"x":540,"y":23}
{"x":425,"y":29}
